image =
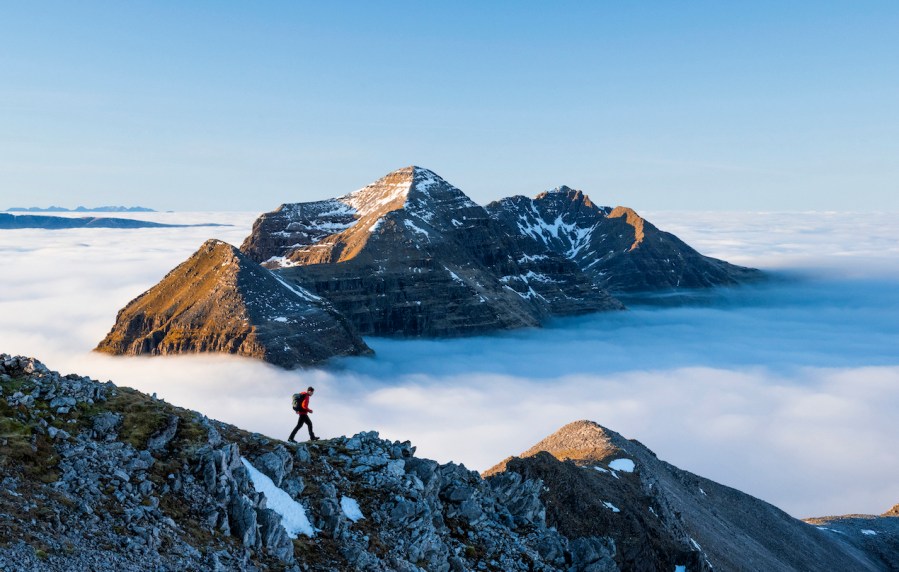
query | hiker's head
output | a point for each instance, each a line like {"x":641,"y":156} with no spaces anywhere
{"x":310,"y":390}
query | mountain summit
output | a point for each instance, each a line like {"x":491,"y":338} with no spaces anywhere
{"x":618,"y":249}
{"x":412,"y":255}
{"x":598,"y":484}
{"x":220,"y":301}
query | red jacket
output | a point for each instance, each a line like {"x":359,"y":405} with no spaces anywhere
{"x":304,"y":403}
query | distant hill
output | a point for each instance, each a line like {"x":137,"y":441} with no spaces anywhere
{"x":8,"y":221}
{"x":80,"y":209}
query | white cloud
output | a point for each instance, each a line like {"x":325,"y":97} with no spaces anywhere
{"x":787,"y":390}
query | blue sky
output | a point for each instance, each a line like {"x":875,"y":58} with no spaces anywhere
{"x":655,"y":105}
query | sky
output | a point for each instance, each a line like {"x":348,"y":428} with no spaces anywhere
{"x":786,"y":390}
{"x":234,"y":106}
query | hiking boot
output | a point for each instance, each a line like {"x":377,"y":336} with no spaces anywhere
{"x":291,"y":440}
{"x":314,"y":438}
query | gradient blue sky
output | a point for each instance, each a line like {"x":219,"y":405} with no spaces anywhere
{"x":655,"y":105}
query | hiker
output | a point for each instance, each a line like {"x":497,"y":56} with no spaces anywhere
{"x":301,"y":406}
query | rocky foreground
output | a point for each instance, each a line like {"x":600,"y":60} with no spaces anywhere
{"x":99,"y":477}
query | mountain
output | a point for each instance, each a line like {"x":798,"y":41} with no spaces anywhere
{"x":81,"y":209}
{"x":8,"y":221}
{"x":412,"y":255}
{"x":599,"y":485}
{"x":618,"y":249}
{"x":220,"y":301}
{"x":99,"y":477}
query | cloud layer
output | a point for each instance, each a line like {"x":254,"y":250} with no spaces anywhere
{"x":787,"y":390}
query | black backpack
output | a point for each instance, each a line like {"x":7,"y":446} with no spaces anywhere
{"x":297,"y":401}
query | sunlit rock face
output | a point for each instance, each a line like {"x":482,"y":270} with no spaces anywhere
{"x":221,"y":301}
{"x":412,"y":255}
{"x":619,"y":250}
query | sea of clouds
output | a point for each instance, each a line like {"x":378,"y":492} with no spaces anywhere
{"x":787,"y":390}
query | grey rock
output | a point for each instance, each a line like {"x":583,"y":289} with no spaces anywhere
{"x":162,"y":438}
{"x":106,"y":424}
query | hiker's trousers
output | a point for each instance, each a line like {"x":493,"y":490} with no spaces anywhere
{"x":304,"y":419}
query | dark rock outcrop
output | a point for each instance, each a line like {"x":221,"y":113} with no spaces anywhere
{"x":877,"y":536}
{"x":220,"y":301}
{"x":597,"y":484}
{"x":412,"y":255}
{"x":618,"y":249}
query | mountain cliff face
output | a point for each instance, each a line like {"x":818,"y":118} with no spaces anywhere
{"x":220,"y":301}
{"x":98,"y":477}
{"x":412,"y":255}
{"x":598,"y":484}
{"x":618,"y":249}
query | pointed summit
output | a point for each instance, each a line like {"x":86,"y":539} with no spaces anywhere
{"x":218,"y":300}
{"x":580,"y":441}
{"x":584,"y":442}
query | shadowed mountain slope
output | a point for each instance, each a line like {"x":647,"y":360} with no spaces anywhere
{"x":220,"y":301}
{"x":618,"y":249}
{"x":412,"y":255}
{"x":597,"y":484}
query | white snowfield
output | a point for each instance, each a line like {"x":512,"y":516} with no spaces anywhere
{"x":351,"y":509}
{"x":293,"y":515}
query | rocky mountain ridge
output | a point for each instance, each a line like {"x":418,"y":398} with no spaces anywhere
{"x":616,"y":247}
{"x":411,"y":255}
{"x":94,"y":476}
{"x":220,"y":301}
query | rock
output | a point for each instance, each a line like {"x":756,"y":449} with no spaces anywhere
{"x":619,"y":250}
{"x":412,"y":255}
{"x":275,"y":464}
{"x":106,"y":424}
{"x":165,"y":435}
{"x":221,"y":301}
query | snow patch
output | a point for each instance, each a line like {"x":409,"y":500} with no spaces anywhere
{"x":293,"y":515}
{"x":868,"y":532}
{"x":623,"y":465}
{"x":611,"y":507}
{"x":680,"y":568}
{"x":280,"y":261}
{"x":412,"y":226}
{"x":351,"y":509}
{"x":302,"y":292}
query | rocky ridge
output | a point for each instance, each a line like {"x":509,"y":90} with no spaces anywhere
{"x":220,"y":301}
{"x":618,"y":249}
{"x":412,"y":255}
{"x":94,"y":476}
{"x":599,"y":484}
